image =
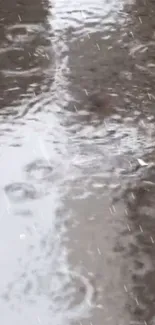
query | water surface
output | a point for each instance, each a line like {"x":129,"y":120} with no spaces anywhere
{"x":77,"y":162}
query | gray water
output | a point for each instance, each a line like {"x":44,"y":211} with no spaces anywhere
{"x":77,"y":173}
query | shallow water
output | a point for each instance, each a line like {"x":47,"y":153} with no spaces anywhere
{"x":77,"y":162}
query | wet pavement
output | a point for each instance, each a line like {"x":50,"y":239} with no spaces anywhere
{"x":77,"y":167}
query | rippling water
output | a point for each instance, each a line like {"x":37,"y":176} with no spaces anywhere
{"x":77,"y":162}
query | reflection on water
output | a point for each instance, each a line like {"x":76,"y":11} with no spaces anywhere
{"x":77,"y":206}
